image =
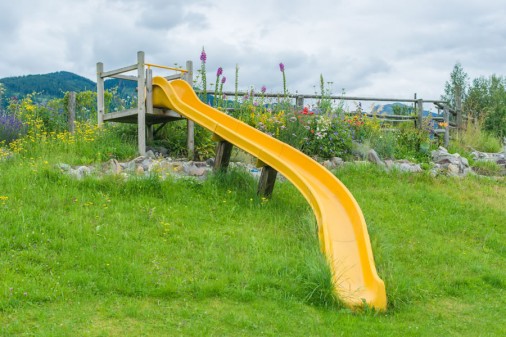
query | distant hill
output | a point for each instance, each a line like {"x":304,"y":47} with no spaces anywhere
{"x":55,"y":85}
{"x":399,"y":109}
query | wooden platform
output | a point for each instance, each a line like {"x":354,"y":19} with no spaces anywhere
{"x":130,"y":116}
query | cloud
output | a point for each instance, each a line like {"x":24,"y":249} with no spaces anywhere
{"x":369,"y":47}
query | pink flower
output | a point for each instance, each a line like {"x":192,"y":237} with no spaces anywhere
{"x":219,"y":71}
{"x":203,"y":56}
{"x":223,"y":80}
{"x":282,"y":67}
{"x":264,"y":89}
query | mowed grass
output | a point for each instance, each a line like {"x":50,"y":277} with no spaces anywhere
{"x":188,"y":258}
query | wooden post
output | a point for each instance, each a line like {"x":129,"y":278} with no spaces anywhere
{"x":299,"y":102}
{"x":223,"y":152}
{"x":141,"y":104}
{"x":419,"y":104}
{"x":100,"y":94}
{"x":71,"y":110}
{"x":190,"y":126}
{"x":149,"y":103}
{"x":266,"y":182}
{"x":446,"y":114}
{"x":458,"y":106}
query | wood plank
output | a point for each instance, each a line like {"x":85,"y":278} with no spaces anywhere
{"x":125,"y":77}
{"x":100,"y":94}
{"x":173,"y":77}
{"x":267,"y":182}
{"x":110,"y":73}
{"x":222,"y":159}
{"x":71,"y":108}
{"x":141,"y":104}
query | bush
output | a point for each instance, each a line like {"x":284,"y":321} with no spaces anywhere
{"x":11,"y":128}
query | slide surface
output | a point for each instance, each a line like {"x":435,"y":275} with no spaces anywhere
{"x":342,"y":229}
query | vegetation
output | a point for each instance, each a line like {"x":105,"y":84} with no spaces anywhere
{"x":54,"y":86}
{"x":109,"y":256}
{"x":151,"y":257}
{"x":484,"y":100}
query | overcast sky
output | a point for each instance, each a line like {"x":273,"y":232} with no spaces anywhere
{"x":383,"y":48}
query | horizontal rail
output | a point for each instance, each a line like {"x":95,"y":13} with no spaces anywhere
{"x":165,"y":67}
{"x":118,"y":71}
{"x":126,"y":77}
{"x":339,"y":97}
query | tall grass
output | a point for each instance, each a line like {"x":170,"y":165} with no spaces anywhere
{"x":473,"y":137}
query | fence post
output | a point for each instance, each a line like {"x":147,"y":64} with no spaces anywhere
{"x":419,"y":103}
{"x":446,"y":115}
{"x":458,"y":106}
{"x":190,"y":126}
{"x":71,"y":110}
{"x":141,"y":104}
{"x":100,"y":94}
{"x":299,"y":102}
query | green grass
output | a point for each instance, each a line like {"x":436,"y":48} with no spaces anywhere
{"x":169,"y":258}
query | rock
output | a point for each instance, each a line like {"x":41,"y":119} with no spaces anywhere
{"x":409,"y":167}
{"x":453,"y":169}
{"x":196,"y":171}
{"x":328,"y":164}
{"x":453,"y":164}
{"x":373,"y":157}
{"x":146,"y":164}
{"x":139,"y":170}
{"x":389,"y":163}
{"x":64,"y":167}
{"x":150,"y":154}
{"x":210,"y":162}
{"x":337,"y":161}
{"x":113,"y":167}
{"x":81,"y":172}
{"x":129,"y":166}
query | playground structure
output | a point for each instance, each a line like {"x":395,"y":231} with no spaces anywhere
{"x":145,"y":115}
{"x":342,"y":230}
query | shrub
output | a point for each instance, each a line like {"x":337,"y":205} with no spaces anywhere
{"x":11,"y":128}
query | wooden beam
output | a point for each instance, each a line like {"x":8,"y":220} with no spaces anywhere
{"x":141,"y":104}
{"x":222,"y":159}
{"x":173,"y":77}
{"x":419,"y":104}
{"x":125,"y":77}
{"x":71,"y":109}
{"x":100,"y":94}
{"x":119,"y":71}
{"x":190,"y":126}
{"x":266,"y":182}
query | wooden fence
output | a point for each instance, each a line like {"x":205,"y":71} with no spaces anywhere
{"x":146,"y":116}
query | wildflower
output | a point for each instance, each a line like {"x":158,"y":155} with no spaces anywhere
{"x":219,"y":72}
{"x":264,"y":89}
{"x":203,"y":56}
{"x":223,"y":80}
{"x":281,"y":67}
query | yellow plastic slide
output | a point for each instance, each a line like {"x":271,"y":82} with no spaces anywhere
{"x":341,"y":226}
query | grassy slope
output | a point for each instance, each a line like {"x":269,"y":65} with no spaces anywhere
{"x":109,"y":258}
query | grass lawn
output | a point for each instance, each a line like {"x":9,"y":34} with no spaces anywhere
{"x":188,"y":258}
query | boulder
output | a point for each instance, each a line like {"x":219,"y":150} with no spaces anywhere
{"x":373,"y":157}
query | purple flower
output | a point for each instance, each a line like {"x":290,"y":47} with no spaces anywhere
{"x":219,"y":71}
{"x":223,"y":80}
{"x":203,"y":56}
{"x":264,"y":89}
{"x":282,"y":67}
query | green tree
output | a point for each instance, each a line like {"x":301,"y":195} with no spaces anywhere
{"x":486,"y":101}
{"x":459,"y":81}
